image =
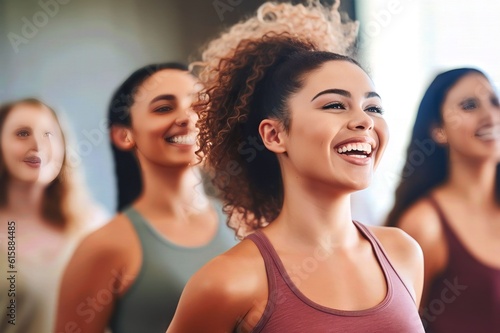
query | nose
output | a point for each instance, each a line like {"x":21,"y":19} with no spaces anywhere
{"x":360,"y":120}
{"x":36,"y":142}
{"x":186,"y":116}
{"x":491,"y":114}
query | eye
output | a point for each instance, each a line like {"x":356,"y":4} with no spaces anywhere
{"x":163,"y":109}
{"x":469,"y":104}
{"x":335,"y":105}
{"x":48,"y":134}
{"x":23,"y":133}
{"x":375,"y":109}
{"x":494,"y":101}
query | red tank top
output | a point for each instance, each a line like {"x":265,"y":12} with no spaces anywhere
{"x":288,"y":310}
{"x":465,"y":297}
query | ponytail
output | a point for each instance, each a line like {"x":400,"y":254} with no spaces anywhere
{"x":251,"y":85}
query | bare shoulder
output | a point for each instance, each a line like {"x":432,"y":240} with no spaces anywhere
{"x":99,"y":263}
{"x":234,"y":274}
{"x":422,"y":222}
{"x":397,"y":243}
{"x":109,"y":242}
{"x":222,"y":292}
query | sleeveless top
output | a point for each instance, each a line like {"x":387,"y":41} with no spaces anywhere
{"x":465,"y":297}
{"x":150,"y":303}
{"x":288,"y":310}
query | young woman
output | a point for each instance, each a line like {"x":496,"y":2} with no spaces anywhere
{"x":44,"y":211}
{"x":449,"y":201}
{"x":301,"y":130}
{"x":129,"y":274}
{"x":330,"y":29}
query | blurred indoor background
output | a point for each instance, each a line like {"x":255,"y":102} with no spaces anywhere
{"x":73,"y":54}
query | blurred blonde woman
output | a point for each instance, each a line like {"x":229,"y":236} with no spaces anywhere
{"x":44,"y":209}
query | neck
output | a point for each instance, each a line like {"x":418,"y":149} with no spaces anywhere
{"x":24,"y":199}
{"x":312,"y":212}
{"x":473,"y":180}
{"x":171,"y":191}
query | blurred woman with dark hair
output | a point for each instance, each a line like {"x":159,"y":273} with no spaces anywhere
{"x":129,"y":274}
{"x":449,"y":201}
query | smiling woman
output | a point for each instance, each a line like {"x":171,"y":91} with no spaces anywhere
{"x":450,"y":201}
{"x":129,"y":275}
{"x":307,"y":267}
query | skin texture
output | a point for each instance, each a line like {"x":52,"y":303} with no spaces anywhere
{"x":172,"y":201}
{"x":230,"y":292}
{"x":470,"y":110}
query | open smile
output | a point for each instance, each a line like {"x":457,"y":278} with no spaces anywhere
{"x":189,"y":139}
{"x":356,"y":152}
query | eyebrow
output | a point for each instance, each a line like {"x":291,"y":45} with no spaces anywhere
{"x":165,"y":97}
{"x":344,"y":93}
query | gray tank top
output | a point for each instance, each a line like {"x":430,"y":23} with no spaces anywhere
{"x":149,"y":304}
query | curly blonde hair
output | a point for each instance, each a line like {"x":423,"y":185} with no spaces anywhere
{"x":326,"y":27}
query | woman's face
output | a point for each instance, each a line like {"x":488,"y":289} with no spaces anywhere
{"x":337,"y":133}
{"x":32,"y":144}
{"x":471,"y":119}
{"x":163,"y":121}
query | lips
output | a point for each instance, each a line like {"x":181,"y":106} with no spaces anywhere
{"x":33,"y":161}
{"x":357,"y":150}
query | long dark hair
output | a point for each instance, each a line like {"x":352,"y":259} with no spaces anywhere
{"x":127,"y":168}
{"x":426,"y":164}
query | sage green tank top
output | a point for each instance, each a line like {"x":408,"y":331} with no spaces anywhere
{"x":149,"y":304}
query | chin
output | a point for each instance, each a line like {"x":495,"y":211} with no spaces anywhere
{"x":359,"y":184}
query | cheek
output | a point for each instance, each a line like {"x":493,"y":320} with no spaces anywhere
{"x":460,"y":128}
{"x":13,"y":150}
{"x":58,"y":152}
{"x":382,"y":131}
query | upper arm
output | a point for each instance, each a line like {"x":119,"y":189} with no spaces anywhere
{"x":89,"y":287}
{"x":218,"y":296}
{"x":423,"y":224}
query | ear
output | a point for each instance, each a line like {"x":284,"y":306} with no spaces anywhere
{"x":439,"y":135}
{"x":121,"y":137}
{"x":272,"y":133}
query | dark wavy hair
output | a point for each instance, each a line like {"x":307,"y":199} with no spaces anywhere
{"x":426,"y":164}
{"x":253,"y":84}
{"x":127,"y":169}
{"x":53,"y":204}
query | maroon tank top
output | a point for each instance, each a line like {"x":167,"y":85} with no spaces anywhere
{"x":465,"y":297}
{"x":288,"y":310}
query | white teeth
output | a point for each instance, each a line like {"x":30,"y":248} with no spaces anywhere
{"x":492,"y":133}
{"x":359,"y":146}
{"x":183,"y":139}
{"x":359,"y":156}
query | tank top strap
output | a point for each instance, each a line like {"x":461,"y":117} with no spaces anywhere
{"x":442,"y":216}
{"x":451,"y":237}
{"x":383,"y":258}
{"x":268,"y":255}
{"x":137,"y":222}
